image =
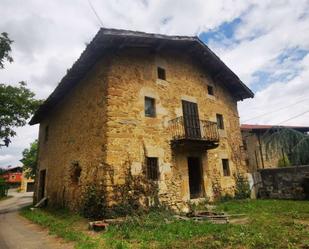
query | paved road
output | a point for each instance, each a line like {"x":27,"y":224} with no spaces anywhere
{"x":18,"y":233}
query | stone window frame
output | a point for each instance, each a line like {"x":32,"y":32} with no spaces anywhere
{"x":75,"y":173}
{"x":152,"y":168}
{"x":220,"y":121}
{"x":210,"y":90}
{"x":226,"y":168}
{"x":153,"y":113}
{"x":161,"y":73}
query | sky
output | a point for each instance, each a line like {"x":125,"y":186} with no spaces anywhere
{"x":265,"y":42}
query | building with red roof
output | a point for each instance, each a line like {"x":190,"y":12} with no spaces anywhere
{"x":255,"y":148}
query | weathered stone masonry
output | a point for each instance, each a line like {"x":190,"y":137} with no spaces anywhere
{"x":100,"y":127}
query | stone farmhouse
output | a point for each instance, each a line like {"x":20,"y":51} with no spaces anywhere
{"x":146,"y":117}
{"x":254,"y":137}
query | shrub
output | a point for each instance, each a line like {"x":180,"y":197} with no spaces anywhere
{"x":94,"y":203}
{"x":3,"y":188}
{"x":242,"y":188}
{"x":284,"y":162}
{"x":226,"y":197}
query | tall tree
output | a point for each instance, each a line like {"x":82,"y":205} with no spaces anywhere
{"x":17,"y":103}
{"x":5,"y":49}
{"x":290,"y":142}
{"x":29,"y":159}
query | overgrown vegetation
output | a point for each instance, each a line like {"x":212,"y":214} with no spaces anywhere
{"x":29,"y":159}
{"x":242,"y":187}
{"x":94,"y":204}
{"x":288,"y":141}
{"x":284,"y":162}
{"x":3,"y":188}
{"x":270,"y":224}
{"x":135,"y":195}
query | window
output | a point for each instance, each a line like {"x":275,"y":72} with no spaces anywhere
{"x":150,"y":108}
{"x":210,"y":90}
{"x":75,"y":172}
{"x":220,"y":123}
{"x":244,"y":142}
{"x":152,"y":168}
{"x":46,"y":134}
{"x":161,"y":73}
{"x":226,"y":167}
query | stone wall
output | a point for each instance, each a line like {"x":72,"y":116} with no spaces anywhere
{"x":131,"y":136}
{"x":101,"y":127}
{"x":76,"y":135}
{"x":284,"y":183}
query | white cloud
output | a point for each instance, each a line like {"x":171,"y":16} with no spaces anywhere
{"x":6,"y":158}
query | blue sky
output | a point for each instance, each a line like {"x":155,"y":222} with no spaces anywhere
{"x":225,"y":31}
{"x":265,"y":43}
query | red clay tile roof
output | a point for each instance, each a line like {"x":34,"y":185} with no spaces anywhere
{"x":266,"y":127}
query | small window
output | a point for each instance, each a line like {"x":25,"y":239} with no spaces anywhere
{"x":152,"y":168}
{"x":150,"y":107}
{"x":161,"y":73}
{"x":226,"y":167}
{"x":220,"y":123}
{"x":210,"y":90}
{"x":247,"y":162}
{"x":46,"y":133}
{"x":75,"y":173}
{"x":244,"y":142}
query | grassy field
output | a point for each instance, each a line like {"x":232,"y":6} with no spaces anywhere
{"x":269,"y":224}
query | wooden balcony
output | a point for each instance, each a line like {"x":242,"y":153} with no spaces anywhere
{"x":191,"y":132}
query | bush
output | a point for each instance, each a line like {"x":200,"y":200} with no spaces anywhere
{"x":242,"y":190}
{"x":284,"y":162}
{"x":94,"y":203}
{"x":3,"y":188}
{"x":226,"y":197}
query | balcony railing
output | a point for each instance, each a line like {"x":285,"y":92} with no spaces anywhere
{"x":191,"y":128}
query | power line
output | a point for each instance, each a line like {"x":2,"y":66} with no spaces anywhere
{"x":296,"y":116}
{"x":276,"y":110}
{"x":95,"y":13}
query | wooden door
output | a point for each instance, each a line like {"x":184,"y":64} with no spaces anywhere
{"x":191,"y":120}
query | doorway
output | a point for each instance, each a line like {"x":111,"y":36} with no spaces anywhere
{"x":195,"y":177}
{"x":30,"y":187}
{"x":42,"y":181}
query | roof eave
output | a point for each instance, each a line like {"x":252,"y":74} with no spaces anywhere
{"x":75,"y":74}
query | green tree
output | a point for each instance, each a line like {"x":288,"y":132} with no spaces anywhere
{"x":17,"y":103}
{"x":290,"y":142}
{"x":5,"y":49}
{"x":29,"y":159}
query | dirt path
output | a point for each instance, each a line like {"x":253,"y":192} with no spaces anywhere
{"x":18,"y":233}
